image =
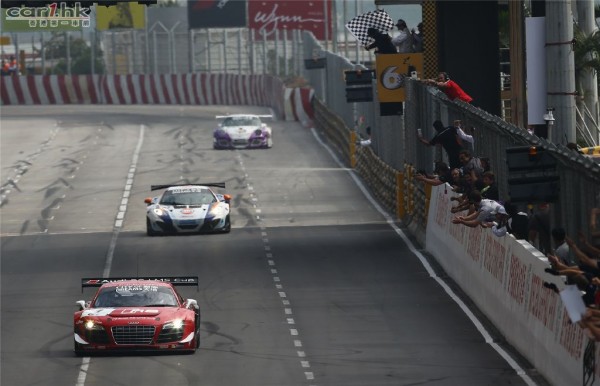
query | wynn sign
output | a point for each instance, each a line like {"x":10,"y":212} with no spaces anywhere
{"x":264,"y":16}
{"x":267,"y":16}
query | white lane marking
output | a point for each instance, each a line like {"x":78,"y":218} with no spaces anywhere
{"x":85,"y":362}
{"x":478,"y":325}
{"x":277,"y":279}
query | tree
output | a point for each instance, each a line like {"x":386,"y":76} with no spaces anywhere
{"x":586,"y":49}
{"x":80,"y":52}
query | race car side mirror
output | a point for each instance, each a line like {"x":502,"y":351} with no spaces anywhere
{"x":227,"y":198}
{"x":82,"y":305}
{"x":148,"y":200}
{"x":191,"y":303}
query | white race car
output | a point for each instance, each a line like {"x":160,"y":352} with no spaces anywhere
{"x":189,"y":208}
{"x":242,"y":131}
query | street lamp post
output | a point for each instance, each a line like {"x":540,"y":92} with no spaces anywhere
{"x":549,"y":118}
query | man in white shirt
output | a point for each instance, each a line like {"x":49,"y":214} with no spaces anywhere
{"x":485,"y":213}
{"x":468,"y":141}
{"x":404,"y":40}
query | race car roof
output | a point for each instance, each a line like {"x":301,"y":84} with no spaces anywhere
{"x":165,"y":186}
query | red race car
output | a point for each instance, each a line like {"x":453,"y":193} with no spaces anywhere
{"x":137,"y":314}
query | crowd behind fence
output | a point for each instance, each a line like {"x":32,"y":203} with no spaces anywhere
{"x":394,"y":139}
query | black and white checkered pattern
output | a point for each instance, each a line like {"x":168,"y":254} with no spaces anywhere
{"x":378,"y":19}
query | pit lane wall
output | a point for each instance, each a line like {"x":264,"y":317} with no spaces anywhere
{"x":178,"y":89}
{"x":504,"y":277}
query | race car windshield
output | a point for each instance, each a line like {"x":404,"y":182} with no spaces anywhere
{"x":187,"y":197}
{"x":243,"y":121}
{"x":136,"y":296}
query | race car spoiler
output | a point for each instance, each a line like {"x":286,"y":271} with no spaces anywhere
{"x":237,"y":115}
{"x":215,"y":184}
{"x":174,"y":280}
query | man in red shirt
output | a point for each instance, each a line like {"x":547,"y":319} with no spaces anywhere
{"x":449,"y":87}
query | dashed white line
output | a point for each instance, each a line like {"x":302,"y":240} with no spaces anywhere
{"x":83,"y":369}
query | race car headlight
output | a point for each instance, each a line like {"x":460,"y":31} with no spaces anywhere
{"x":258,"y":132}
{"x":175,"y":324}
{"x":91,"y":325}
{"x":159,"y":211}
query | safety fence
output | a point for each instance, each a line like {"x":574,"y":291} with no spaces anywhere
{"x":394,"y":140}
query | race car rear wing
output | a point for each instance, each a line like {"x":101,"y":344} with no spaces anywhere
{"x":164,"y":186}
{"x":174,"y":280}
{"x":253,"y":115}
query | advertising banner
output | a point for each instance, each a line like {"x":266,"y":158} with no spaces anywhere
{"x":216,"y":13}
{"x":267,"y":16}
{"x":121,"y":16}
{"x":392,"y":71}
{"x":52,"y":17}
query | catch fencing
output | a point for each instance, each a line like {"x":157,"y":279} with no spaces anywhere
{"x":395,"y":143}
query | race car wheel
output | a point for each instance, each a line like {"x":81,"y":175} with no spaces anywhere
{"x":77,"y":349}
{"x":149,"y":230}
{"x":227,"y":227}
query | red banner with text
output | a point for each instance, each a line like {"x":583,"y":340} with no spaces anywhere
{"x":267,"y":16}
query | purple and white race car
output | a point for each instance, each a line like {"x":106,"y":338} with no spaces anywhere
{"x":242,"y":131}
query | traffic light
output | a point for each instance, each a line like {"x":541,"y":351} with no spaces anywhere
{"x":532,"y":176}
{"x":360,"y":84}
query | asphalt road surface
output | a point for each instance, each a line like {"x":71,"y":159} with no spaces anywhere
{"x":313,"y":286}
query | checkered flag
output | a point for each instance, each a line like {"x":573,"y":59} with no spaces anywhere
{"x":378,"y":19}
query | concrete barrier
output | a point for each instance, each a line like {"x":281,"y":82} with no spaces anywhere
{"x":170,"y":89}
{"x":504,"y":277}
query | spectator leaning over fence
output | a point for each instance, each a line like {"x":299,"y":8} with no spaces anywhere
{"x":518,"y":223}
{"x":539,"y":228}
{"x":470,"y":165}
{"x":447,"y":138}
{"x":485,"y":213}
{"x":467,"y":185}
{"x":449,"y":87}
{"x":490,"y":188}
{"x":561,"y":248}
{"x":442,"y":175}
{"x":466,"y":139}
{"x":500,"y":225}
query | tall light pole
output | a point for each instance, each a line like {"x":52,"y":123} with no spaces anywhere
{"x":560,"y":67}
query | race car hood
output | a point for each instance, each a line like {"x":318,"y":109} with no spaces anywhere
{"x":132,"y":312}
{"x":183,"y":213}
{"x":240,"y":132}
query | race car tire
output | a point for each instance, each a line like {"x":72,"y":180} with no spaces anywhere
{"x":269,"y":143}
{"x":149,"y":230}
{"x":77,"y":349}
{"x":227,"y":227}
